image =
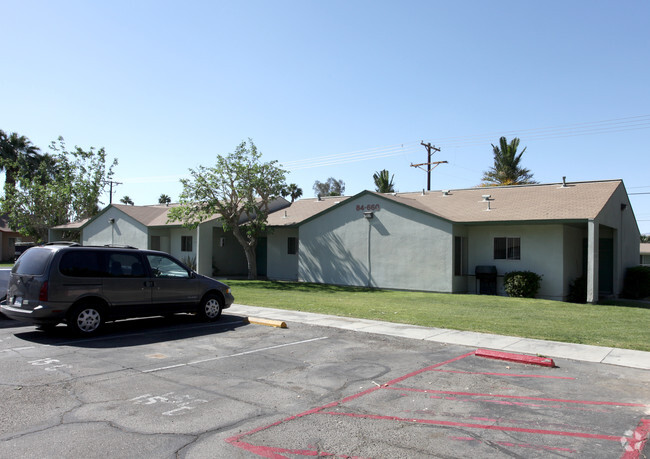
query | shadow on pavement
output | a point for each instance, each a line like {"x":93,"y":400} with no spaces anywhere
{"x":133,"y":332}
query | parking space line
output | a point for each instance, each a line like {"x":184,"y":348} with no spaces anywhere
{"x":631,"y":441}
{"x":468,"y":425}
{"x":503,"y":374}
{"x":517,"y":397}
{"x":195,"y":362}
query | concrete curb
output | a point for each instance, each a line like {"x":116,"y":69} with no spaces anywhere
{"x":518,"y":358}
{"x":581,"y":352}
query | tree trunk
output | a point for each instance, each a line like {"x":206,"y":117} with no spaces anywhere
{"x":249,"y":251}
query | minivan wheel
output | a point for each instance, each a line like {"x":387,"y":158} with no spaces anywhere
{"x":211,"y":307}
{"x":86,"y":319}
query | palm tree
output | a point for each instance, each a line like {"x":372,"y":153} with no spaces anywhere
{"x":16,"y":153}
{"x":127,"y":200}
{"x":164,"y":199}
{"x":506,"y":169}
{"x":292,"y":190}
{"x":384,"y":181}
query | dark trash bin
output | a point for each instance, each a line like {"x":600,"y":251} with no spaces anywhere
{"x":487,"y":279}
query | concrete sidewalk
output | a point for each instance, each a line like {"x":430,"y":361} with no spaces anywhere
{"x":582,"y":352}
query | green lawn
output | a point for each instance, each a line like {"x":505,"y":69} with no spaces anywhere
{"x":616,"y":325}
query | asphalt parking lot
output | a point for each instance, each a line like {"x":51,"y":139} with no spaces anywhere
{"x":183,"y":388}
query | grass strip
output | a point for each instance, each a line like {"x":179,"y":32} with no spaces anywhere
{"x":622,"y":325}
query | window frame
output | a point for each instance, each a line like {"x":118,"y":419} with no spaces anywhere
{"x":185,"y":241}
{"x":507,"y":248}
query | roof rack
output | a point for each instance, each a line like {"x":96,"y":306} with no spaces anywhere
{"x":120,"y":246}
{"x":67,"y":243}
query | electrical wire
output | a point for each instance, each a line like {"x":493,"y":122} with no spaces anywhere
{"x":551,"y":132}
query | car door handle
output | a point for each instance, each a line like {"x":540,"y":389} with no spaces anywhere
{"x":148,"y":283}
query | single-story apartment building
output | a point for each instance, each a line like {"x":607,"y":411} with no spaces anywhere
{"x":9,"y":240}
{"x":645,"y":254}
{"x":438,"y":241}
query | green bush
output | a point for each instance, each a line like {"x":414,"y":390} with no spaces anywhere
{"x":522,"y":284}
{"x":578,"y":290}
{"x":637,"y":283}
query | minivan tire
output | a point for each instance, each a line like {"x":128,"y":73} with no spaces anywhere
{"x":211,"y":307}
{"x":86,"y":319}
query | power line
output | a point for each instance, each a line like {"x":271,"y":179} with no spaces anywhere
{"x":552,"y":132}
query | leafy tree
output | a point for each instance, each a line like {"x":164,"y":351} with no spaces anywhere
{"x":50,"y":199}
{"x":127,"y":200}
{"x":507,"y":169}
{"x":164,"y":199}
{"x":384,"y":181}
{"x":645,"y":238}
{"x":332,"y":187}
{"x":292,"y":190}
{"x":239,"y":187}
{"x":17,"y":153}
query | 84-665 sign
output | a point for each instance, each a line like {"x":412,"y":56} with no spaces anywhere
{"x":368,"y":207}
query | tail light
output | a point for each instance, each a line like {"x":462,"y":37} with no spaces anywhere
{"x":42,"y":295}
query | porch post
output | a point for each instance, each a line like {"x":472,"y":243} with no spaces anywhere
{"x":592,"y":261}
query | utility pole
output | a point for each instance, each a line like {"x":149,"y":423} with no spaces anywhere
{"x":435,"y":164}
{"x":111,"y":183}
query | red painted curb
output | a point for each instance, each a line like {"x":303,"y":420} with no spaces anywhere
{"x":519,"y":358}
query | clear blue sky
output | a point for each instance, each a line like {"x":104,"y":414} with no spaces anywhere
{"x":336,"y":88}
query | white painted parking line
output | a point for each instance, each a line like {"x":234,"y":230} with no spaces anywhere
{"x":169,"y":367}
{"x":18,"y":349}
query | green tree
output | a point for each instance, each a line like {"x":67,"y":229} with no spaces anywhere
{"x":292,"y":190}
{"x":645,"y":238}
{"x":127,"y":200}
{"x":71,"y":194}
{"x":506,"y":169}
{"x":239,"y":187}
{"x":16,"y":153}
{"x":384,"y":181}
{"x":332,"y":187}
{"x":164,"y":199}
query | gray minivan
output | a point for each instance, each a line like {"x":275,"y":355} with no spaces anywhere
{"x":86,"y":286}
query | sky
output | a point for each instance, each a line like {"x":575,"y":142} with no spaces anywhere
{"x":337,"y":89}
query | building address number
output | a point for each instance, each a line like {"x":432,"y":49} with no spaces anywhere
{"x":368,"y":207}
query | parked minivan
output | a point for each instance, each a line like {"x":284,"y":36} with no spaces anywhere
{"x":86,"y":286}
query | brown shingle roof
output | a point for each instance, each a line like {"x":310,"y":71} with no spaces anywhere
{"x":575,"y":201}
{"x":147,"y":215}
{"x":303,"y":209}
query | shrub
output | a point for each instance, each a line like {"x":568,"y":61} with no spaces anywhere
{"x":522,"y":284}
{"x":637,"y":282}
{"x":578,"y":290}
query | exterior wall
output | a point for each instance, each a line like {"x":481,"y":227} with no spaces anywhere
{"x":399,"y":247}
{"x":617,"y":214}
{"x":573,"y":255}
{"x":541,"y":252}
{"x":125,"y":230}
{"x":228,"y":259}
{"x":175,"y":244}
{"x":282,"y":265}
{"x":165,"y":238}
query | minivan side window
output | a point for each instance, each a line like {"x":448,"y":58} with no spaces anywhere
{"x":125,"y":265}
{"x":166,"y":267}
{"x":83,"y":263}
{"x":33,"y":261}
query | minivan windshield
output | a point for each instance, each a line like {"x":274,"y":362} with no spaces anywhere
{"x":33,"y":262}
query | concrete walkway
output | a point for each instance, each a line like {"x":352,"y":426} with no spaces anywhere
{"x":554,"y":349}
